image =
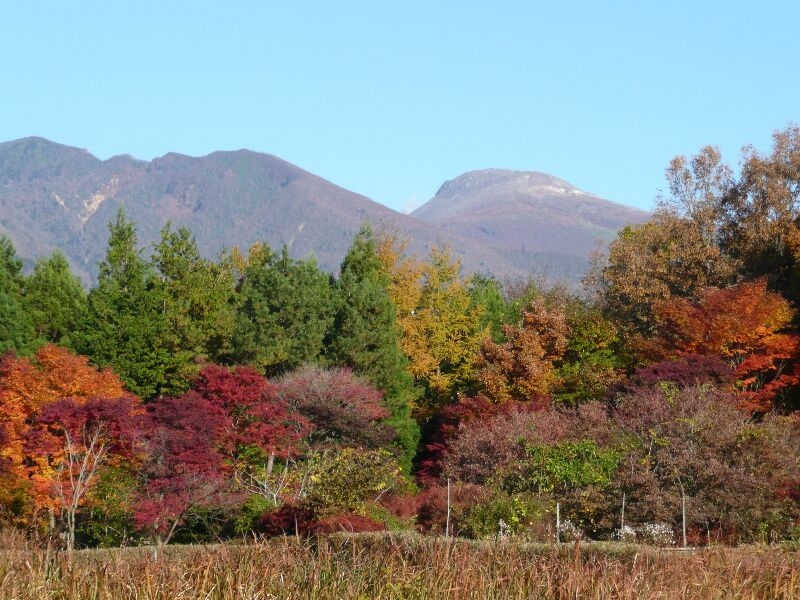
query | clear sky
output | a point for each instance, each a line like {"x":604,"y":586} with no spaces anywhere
{"x":390,"y":99}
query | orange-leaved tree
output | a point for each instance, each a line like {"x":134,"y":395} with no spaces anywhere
{"x":748,"y":326}
{"x":440,"y":326}
{"x":522,"y":367}
{"x":70,"y":441}
{"x":28,"y":385}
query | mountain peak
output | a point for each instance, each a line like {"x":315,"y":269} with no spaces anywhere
{"x":532,"y":217}
{"x":34,"y":157}
{"x":530,"y":181}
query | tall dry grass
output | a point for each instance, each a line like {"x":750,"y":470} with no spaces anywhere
{"x":398,"y":566}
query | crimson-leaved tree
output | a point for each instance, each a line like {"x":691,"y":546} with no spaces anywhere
{"x":69,"y":442}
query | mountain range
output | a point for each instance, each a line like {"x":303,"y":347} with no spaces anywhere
{"x":512,"y":224}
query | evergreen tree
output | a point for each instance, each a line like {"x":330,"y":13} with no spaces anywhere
{"x":16,"y":328}
{"x":55,"y":299}
{"x":124,"y":325}
{"x":486,"y":294}
{"x":285,"y":310}
{"x":366,"y":336}
{"x":195,"y":296}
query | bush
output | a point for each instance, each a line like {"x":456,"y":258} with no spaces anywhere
{"x":286,"y":520}
{"x":348,"y":522}
{"x":251,"y":513}
{"x":345,"y":481}
{"x":432,"y":512}
{"x":569,"y":532}
{"x":657,"y":534}
{"x":625,"y":534}
{"x":517,"y":512}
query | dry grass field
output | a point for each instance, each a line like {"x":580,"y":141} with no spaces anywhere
{"x":395,"y":566}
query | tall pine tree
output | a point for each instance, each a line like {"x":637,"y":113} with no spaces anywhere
{"x":195,"y":296}
{"x":124,"y":324}
{"x":16,"y":327}
{"x":366,"y":336}
{"x":55,"y":299}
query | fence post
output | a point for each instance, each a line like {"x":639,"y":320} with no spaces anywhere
{"x":447,"y":525}
{"x":558,"y":522}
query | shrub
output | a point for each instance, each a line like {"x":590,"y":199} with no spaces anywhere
{"x":348,"y":522}
{"x":517,"y":512}
{"x":569,"y":532}
{"x":286,"y":520}
{"x":657,"y":534}
{"x":345,"y":481}
{"x":432,"y":515}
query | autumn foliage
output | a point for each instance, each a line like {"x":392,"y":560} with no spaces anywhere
{"x":403,"y":392}
{"x":29,"y":390}
{"x":746,"y":325}
{"x":522,"y":367}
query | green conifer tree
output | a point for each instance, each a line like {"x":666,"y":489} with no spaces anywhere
{"x":55,"y":300}
{"x":285,"y":310}
{"x":366,"y":336}
{"x":195,"y":297}
{"x":16,"y":327}
{"x":124,"y":324}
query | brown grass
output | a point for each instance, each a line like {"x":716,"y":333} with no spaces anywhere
{"x":395,"y":566}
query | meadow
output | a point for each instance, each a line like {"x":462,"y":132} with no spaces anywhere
{"x":395,"y":566}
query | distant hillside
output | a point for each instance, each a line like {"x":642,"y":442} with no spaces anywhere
{"x":55,"y":196}
{"x":508,"y":223}
{"x":537,"y":222}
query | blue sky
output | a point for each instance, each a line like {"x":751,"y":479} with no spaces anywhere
{"x":390,"y":99}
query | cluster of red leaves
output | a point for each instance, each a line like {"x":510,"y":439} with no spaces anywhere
{"x":28,"y":385}
{"x":192,"y":441}
{"x":341,"y":408}
{"x":295,"y":520}
{"x":257,"y":415}
{"x":346,"y":522}
{"x":453,"y":417}
{"x":286,"y":520}
{"x":685,"y":371}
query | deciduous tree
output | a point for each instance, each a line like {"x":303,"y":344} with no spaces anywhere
{"x":664,"y":258}
{"x":745,"y":325}
{"x":29,"y":385}
{"x":342,"y":410}
{"x":522,"y":367}
{"x":68,"y":443}
{"x":439,"y":323}
{"x":186,"y":441}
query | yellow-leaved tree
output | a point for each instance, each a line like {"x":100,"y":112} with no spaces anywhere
{"x":441,"y":332}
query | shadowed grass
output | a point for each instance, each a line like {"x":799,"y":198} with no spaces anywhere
{"x":397,"y":566}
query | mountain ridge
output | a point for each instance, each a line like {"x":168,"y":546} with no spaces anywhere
{"x":58,"y":196}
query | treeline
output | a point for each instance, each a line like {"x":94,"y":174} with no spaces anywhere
{"x":188,"y":399}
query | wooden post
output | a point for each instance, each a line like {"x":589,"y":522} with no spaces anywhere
{"x":622,"y":521}
{"x":683,"y":513}
{"x":447,"y":526}
{"x":558,"y":522}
